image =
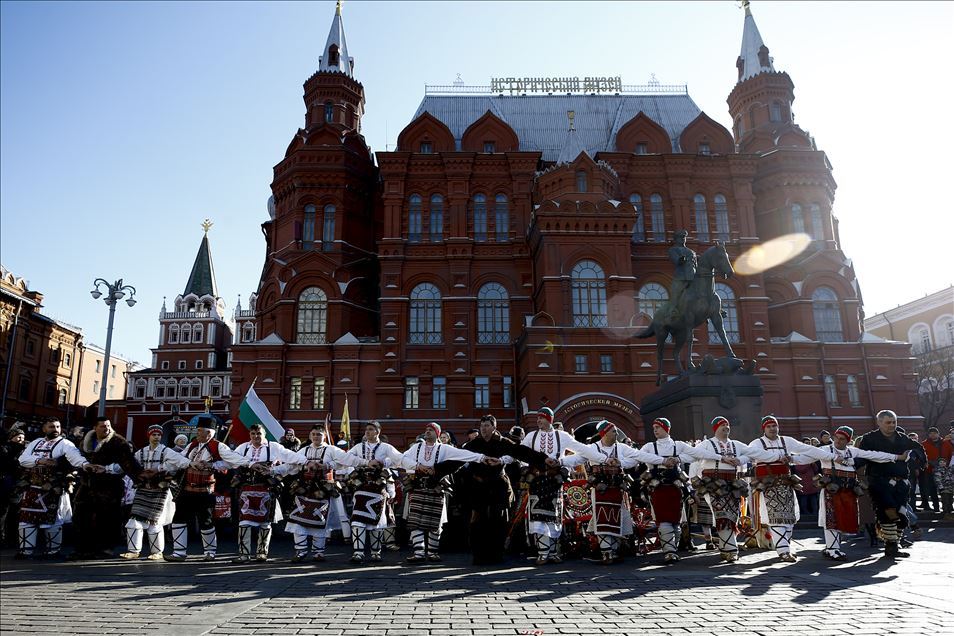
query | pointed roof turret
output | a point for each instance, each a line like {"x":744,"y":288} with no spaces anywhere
{"x":754,"y":57}
{"x":335,"y":57}
{"x":202,"y":279}
{"x":572,"y":146}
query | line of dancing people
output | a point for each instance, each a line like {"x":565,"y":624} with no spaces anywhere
{"x":353,"y":490}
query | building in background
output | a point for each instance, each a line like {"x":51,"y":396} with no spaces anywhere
{"x":506,"y":254}
{"x":928,"y":325}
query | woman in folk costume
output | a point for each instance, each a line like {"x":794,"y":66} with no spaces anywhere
{"x":610,"y":518}
{"x":425,"y":504}
{"x":153,"y":507}
{"x":545,"y":490}
{"x":838,"y":512}
{"x":373,"y":487}
{"x":317,"y":507}
{"x":668,"y":485}
{"x":258,"y":485}
{"x":722,"y":485}
{"x":774,"y":505}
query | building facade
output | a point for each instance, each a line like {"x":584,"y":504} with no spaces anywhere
{"x":189,"y":374}
{"x":511,"y":248}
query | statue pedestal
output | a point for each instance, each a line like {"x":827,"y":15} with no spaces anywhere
{"x":690,"y":403}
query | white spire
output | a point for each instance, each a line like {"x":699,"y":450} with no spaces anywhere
{"x":335,"y":56}
{"x":752,"y":58}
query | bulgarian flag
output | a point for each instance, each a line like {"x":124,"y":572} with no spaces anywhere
{"x":254,"y":411}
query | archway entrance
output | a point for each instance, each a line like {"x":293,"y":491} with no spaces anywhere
{"x":587,"y":407}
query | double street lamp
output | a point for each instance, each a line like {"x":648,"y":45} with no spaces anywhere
{"x":113,"y":293}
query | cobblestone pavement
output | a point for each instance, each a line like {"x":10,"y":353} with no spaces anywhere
{"x":698,"y":595}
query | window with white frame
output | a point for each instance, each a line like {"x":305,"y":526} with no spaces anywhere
{"x":579,"y":363}
{"x":412,"y":393}
{"x":854,"y":396}
{"x":328,"y":228}
{"x":181,"y":365}
{"x":651,"y":298}
{"x":197,"y":333}
{"x":318,"y":397}
{"x":827,"y":315}
{"x":818,"y":227}
{"x":173,"y":334}
{"x":215,"y":388}
{"x":606,"y":363}
{"x":588,"y":285}
{"x":294,"y":394}
{"x":798,"y":220}
{"x":481,"y":392}
{"x":508,"y":392}
{"x":831,"y":390}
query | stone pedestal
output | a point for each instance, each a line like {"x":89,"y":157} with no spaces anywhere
{"x":690,"y":403}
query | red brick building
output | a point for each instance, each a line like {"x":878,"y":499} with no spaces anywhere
{"x":505,"y":254}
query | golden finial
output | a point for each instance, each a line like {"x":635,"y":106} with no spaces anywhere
{"x":338,"y":8}
{"x":206,"y":225}
{"x":570,"y":114}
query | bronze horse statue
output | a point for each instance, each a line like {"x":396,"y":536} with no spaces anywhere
{"x":697,"y":304}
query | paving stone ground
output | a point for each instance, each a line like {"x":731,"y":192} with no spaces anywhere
{"x":699,"y":595}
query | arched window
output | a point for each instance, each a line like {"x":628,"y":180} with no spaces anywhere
{"x":184,"y":388}
{"x":731,"y":319}
{"x":308,"y":228}
{"x":702,"y":218}
{"x":775,"y":112}
{"x":493,"y":315}
{"x":248,"y":332}
{"x":737,"y":127}
{"x":818,"y":231}
{"x":160,"y":388}
{"x":437,"y":218}
{"x":651,"y":298}
{"x":581,"y":181}
{"x":944,"y":332}
{"x":425,"y":319}
{"x":639,"y":227}
{"x":589,"y":295}
{"x":328,"y":232}
{"x":173,"y":334}
{"x":197,"y":333}
{"x":329,"y":112}
{"x":798,"y":221}
{"x":215,"y":388}
{"x":480,"y":217}
{"x":924,"y":340}
{"x":721,"y":217}
{"x":61,"y":396}
{"x":659,"y":218}
{"x":415,"y":219}
{"x":854,"y":396}
{"x":831,"y":390}
{"x":312,"y":316}
{"x":185,"y":336}
{"x":827,"y":315}
{"x":196,"y":388}
{"x":502,"y":220}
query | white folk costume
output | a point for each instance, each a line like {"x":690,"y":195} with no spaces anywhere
{"x":196,"y":498}
{"x":425,"y":503}
{"x":774,"y":506}
{"x":668,"y":487}
{"x":257,"y":494}
{"x":722,"y":486}
{"x":317,"y":506}
{"x":45,"y":502}
{"x":153,"y":507}
{"x":610,"y":517}
{"x":839,"y":487}
{"x":373,"y":492}
{"x":545,"y":491}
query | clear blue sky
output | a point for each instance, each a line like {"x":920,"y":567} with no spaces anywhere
{"x":123,"y":125}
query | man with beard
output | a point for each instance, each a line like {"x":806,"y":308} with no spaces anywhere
{"x":490,"y":493}
{"x":888,"y":482}
{"x":100,"y":494}
{"x":48,"y":464}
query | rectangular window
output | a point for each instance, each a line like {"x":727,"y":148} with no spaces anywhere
{"x":308,"y":229}
{"x":99,"y":366}
{"x":67,"y":360}
{"x":110,"y":391}
{"x":182,"y":365}
{"x":112,"y":371}
{"x":294,"y":394}
{"x":606,"y":363}
{"x":426,"y":148}
{"x":704,"y":149}
{"x":642,"y":149}
{"x":439,"y":393}
{"x":481,"y":393}
{"x":508,"y":392}
{"x":96,"y":387}
{"x":318,"y":400}
{"x":216,"y":390}
{"x":140,"y":391}
{"x":412,"y":393}
{"x":164,"y":365}
{"x":579,"y":365}
{"x":23,"y":392}
{"x":328,"y":229}
{"x":198,"y":364}
{"x":490,"y":146}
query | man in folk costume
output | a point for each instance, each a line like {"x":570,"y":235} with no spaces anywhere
{"x":373,"y":488}
{"x":610,"y":519}
{"x":316,"y":495}
{"x":545,"y":500}
{"x":721,"y":484}
{"x":257,"y":488}
{"x":99,"y":497}
{"x":774,"y":506}
{"x":490,"y":493}
{"x":196,"y":498}
{"x":153,"y":507}
{"x":48,"y":464}
{"x":668,"y":485}
{"x":425,"y":504}
{"x":888,"y":482}
{"x":838,"y":512}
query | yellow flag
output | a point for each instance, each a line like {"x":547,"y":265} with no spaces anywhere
{"x":346,"y":422}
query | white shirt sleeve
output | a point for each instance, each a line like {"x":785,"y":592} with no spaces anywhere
{"x":878,"y":457}
{"x":591,"y":454}
{"x":231,"y":458}
{"x":73,"y":454}
{"x":27,"y":458}
{"x":757,"y":453}
{"x":572,"y":461}
{"x":451,"y":453}
{"x":282,"y":454}
{"x":630,"y":457}
{"x":335,"y":455}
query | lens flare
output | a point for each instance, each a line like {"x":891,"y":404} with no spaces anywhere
{"x":761,"y":258}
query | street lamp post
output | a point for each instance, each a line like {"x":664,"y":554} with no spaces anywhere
{"x":114,"y":292}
